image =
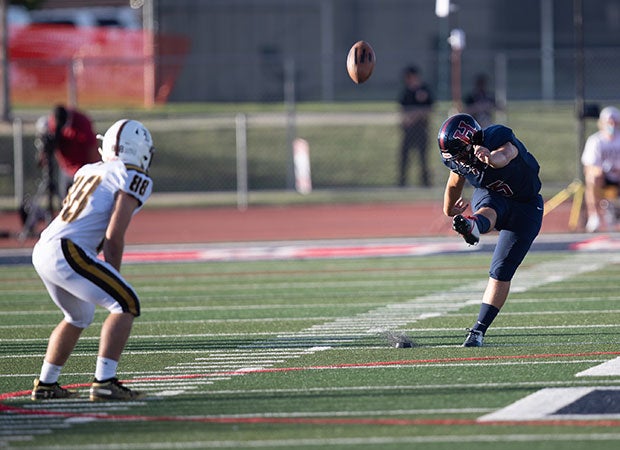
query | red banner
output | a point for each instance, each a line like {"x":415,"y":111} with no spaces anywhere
{"x":92,"y":66}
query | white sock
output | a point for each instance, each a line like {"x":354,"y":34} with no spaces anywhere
{"x":49,"y":373}
{"x":106,"y":368}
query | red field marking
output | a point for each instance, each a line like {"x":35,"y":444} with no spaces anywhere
{"x":255,"y":252}
{"x":597,"y":243}
{"x":321,"y":421}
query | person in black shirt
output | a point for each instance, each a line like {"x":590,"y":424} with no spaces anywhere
{"x":416,"y":101}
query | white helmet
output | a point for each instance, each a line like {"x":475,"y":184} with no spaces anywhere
{"x":41,"y":126}
{"x":129,"y":141}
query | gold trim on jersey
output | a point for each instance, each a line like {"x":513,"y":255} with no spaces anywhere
{"x":96,"y":272}
{"x":136,"y":168}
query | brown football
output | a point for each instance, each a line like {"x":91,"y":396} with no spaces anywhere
{"x":360,"y":61}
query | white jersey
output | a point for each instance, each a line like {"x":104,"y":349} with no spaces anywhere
{"x":603,"y":153}
{"x":88,"y":206}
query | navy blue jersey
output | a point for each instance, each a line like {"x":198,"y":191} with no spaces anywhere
{"x":518,"y":180}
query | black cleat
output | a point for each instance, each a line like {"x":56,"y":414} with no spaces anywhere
{"x":466,"y":227}
{"x":474,"y":338}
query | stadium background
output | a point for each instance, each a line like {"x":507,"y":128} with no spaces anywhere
{"x":280,"y":64}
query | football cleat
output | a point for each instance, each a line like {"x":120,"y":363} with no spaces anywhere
{"x":112,"y":389}
{"x":46,"y":391}
{"x":474,"y":338}
{"x":466,"y":227}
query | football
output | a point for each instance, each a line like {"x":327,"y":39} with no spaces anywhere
{"x":360,"y":62}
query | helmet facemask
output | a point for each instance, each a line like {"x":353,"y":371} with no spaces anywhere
{"x":459,"y":155}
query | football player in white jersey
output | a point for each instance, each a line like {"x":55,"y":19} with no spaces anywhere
{"x":94,"y":218}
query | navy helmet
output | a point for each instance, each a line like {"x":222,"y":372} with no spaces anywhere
{"x":457,"y":136}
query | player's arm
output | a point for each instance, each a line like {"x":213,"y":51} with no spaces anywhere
{"x":594,"y":176}
{"x":498,"y":158}
{"x":114,"y":243}
{"x":453,"y":203}
{"x":595,"y":180}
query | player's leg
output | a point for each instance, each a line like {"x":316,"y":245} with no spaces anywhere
{"x":61,"y":343}
{"x":114,"y":335}
{"x":59,"y":347}
{"x":78,"y":315}
{"x":519,"y":227}
{"x":49,"y":264}
{"x":110,"y":290}
{"x":594,"y":182}
{"x":96,"y":282}
{"x":102,"y":284}
{"x":493,"y":299}
{"x":422,"y":145}
{"x":403,"y":157}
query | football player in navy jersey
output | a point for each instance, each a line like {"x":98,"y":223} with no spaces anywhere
{"x":506,"y":197}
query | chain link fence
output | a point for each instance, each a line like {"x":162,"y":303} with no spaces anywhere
{"x":353,"y":143}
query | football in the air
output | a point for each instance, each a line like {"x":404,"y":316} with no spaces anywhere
{"x":360,"y":61}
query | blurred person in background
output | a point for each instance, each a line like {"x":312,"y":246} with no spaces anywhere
{"x":601,"y":170}
{"x":480,"y":102}
{"x":67,"y":134}
{"x":64,"y":142}
{"x":416,"y":101}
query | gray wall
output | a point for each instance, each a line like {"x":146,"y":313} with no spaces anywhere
{"x":239,"y":47}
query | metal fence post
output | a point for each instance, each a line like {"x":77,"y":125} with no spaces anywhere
{"x":72,"y":89}
{"x":289,"y":100}
{"x":501,"y":87}
{"x":18,"y":161}
{"x":241,"y":125}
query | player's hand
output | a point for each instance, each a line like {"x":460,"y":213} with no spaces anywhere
{"x":459,"y":207}
{"x":483,"y":154}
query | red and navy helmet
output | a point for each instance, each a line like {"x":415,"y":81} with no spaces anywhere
{"x":457,"y":136}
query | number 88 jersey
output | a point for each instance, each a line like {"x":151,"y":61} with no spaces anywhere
{"x":88,"y":206}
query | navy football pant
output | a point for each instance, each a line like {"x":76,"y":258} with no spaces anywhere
{"x":518,"y":224}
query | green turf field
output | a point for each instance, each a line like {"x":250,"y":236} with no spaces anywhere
{"x":294,"y":354}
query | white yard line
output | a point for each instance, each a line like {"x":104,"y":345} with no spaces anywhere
{"x":323,"y":336}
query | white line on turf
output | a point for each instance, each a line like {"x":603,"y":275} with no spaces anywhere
{"x":362,"y":442}
{"x":607,"y":369}
{"x":394,"y":316}
{"x":543,"y":404}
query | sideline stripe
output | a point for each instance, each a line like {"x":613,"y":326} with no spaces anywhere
{"x":291,"y":251}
